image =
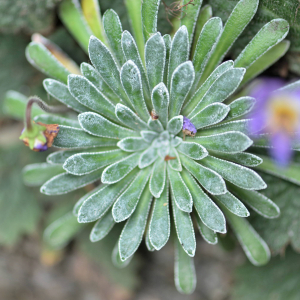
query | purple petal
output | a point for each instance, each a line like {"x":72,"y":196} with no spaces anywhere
{"x":188,"y":125}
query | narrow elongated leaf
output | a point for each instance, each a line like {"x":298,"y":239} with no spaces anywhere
{"x":155,"y":54}
{"x":113,"y":29}
{"x":155,"y":125}
{"x":270,"y":35}
{"x":99,"y":126}
{"x":53,"y":119}
{"x":192,"y":150}
{"x":238,"y":175}
{"x":158,"y":178}
{"x":84,"y":163}
{"x":148,"y":157}
{"x":116,"y":258}
{"x":208,"y":235}
{"x":184,"y":229}
{"x":126,"y":204}
{"x":102,"y":227}
{"x":207,"y":210}
{"x":180,"y":192}
{"x":240,"y":107}
{"x":65,"y":183}
{"x":131,"y":81}
{"x":148,"y":243}
{"x":133,"y":144}
{"x":179,"y":50}
{"x":210,"y":115}
{"x":69,"y":137}
{"x":174,"y":163}
{"x":160,"y":101}
{"x":168,"y":41}
{"x":95,"y":206}
{"x":119,"y":170}
{"x":134,"y":228}
{"x":208,"y":178}
{"x":181,"y":82}
{"x":228,"y":142}
{"x":149,"y":17}
{"x":175,"y":125}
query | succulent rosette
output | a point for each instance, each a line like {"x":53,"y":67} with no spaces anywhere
{"x":158,"y":126}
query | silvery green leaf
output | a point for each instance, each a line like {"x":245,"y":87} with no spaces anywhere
{"x":113,"y":29}
{"x":208,"y":178}
{"x":95,"y":206}
{"x":292,"y":87}
{"x":94,"y":77}
{"x":149,"y":17}
{"x":148,"y":243}
{"x":37,"y":174}
{"x":176,"y":141}
{"x":258,"y":202}
{"x":168,"y":41}
{"x":253,"y":245}
{"x":155,"y":125}
{"x":97,"y":125}
{"x":192,"y":103}
{"x":120,"y":169}
{"x":65,"y":183}
{"x":158,"y":178}
{"x":69,"y":137}
{"x":126,"y":204}
{"x":132,"y":84}
{"x":207,"y":210}
{"x":207,"y":234}
{"x":175,"y":125}
{"x":221,"y":89}
{"x":208,"y":38}
{"x":134,"y":228}
{"x":129,"y":118}
{"x":210,"y":115}
{"x":233,"y":204}
{"x":180,"y":192}
{"x":160,"y":101}
{"x":192,"y":150}
{"x":184,"y":270}
{"x":53,"y":119}
{"x":269,"y":35}
{"x":179,"y":50}
{"x":88,"y":95}
{"x":160,"y":220}
{"x":174,"y":163}
{"x":228,"y":142}
{"x":84,"y":163}
{"x":148,"y":136}
{"x":181,"y":82}
{"x":132,"y":144}
{"x":61,"y":92}
{"x":116,"y":259}
{"x":184,"y":229}
{"x":240,"y":107}
{"x":59,"y":233}
{"x":155,"y":54}
{"x":148,"y":157}
{"x":238,"y":175}
{"x":102,"y":227}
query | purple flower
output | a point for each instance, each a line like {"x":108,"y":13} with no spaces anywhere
{"x":278,"y":114}
{"x":188,"y":128}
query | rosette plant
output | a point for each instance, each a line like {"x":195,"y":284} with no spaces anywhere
{"x":158,"y":126}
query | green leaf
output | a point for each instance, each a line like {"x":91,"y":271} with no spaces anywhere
{"x":160,"y":101}
{"x":159,"y":229}
{"x":155,"y":54}
{"x":116,"y":258}
{"x":175,"y":125}
{"x":184,"y":229}
{"x":240,"y":107}
{"x":228,"y":142}
{"x":65,"y":183}
{"x":168,"y":40}
{"x":59,"y":233}
{"x":158,"y":178}
{"x":180,"y":192}
{"x":98,"y":203}
{"x":88,"y":95}
{"x":207,"y":234}
{"x":149,"y":246}
{"x":126,"y":204}
{"x":174,"y":163}
{"x":207,"y":210}
{"x":61,"y":92}
{"x":120,"y":169}
{"x":210,"y":115}
{"x":192,"y":150}
{"x":155,"y":125}
{"x":69,"y":137}
{"x":270,"y":35}
{"x":99,"y":126}
{"x":148,"y":157}
{"x":184,"y":270}
{"x":53,"y":119}
{"x":113,"y":29}
{"x":181,"y":81}
{"x":134,"y":228}
{"x":132,"y":144}
{"x":148,"y":136}
{"x":38,"y":174}
{"x":102,"y":227}
{"x":208,"y":178}
{"x":85,"y":163}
